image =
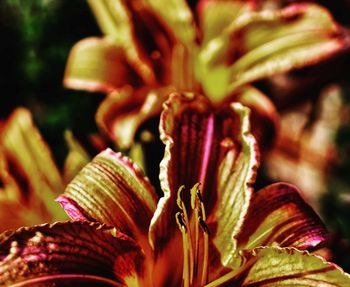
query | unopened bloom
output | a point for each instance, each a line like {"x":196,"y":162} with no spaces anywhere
{"x":217,"y":233}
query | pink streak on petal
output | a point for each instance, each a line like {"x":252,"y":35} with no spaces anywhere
{"x":58,"y":277}
{"x":208,"y":140}
{"x":74,"y":211}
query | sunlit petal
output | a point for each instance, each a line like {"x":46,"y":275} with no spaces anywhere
{"x":215,"y":16}
{"x":235,"y":177}
{"x":115,"y":21}
{"x":270,"y":42}
{"x":98,"y":65}
{"x":296,"y":36}
{"x":178,"y":16}
{"x":263,"y":117}
{"x":112,"y":190}
{"x":277,"y":267}
{"x":278,"y":215}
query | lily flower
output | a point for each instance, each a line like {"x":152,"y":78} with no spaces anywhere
{"x":218,"y":233}
{"x":151,"y":48}
{"x":29,"y":177}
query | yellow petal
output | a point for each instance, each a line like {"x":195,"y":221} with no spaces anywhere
{"x":235,"y":177}
{"x":112,"y":190}
{"x":28,"y":171}
{"x":97,"y":65}
{"x":123,"y":112}
{"x":278,"y":215}
{"x":281,"y":267}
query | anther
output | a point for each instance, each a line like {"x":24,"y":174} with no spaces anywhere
{"x":204,"y":226}
{"x":180,"y":222}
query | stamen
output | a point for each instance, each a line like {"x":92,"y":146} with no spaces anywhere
{"x":183,"y":228}
{"x":234,"y":273}
{"x":191,"y":273}
{"x":187,"y":235}
{"x":194,"y":205}
{"x":206,"y":234}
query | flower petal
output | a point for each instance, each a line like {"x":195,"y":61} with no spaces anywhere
{"x":271,"y":42}
{"x":116,"y":22}
{"x":215,"y":15}
{"x":277,"y":267}
{"x":294,"y":37}
{"x":207,"y":146}
{"x":122,"y":113}
{"x":97,"y":65}
{"x":28,"y":172}
{"x":76,"y":159}
{"x":68,"y":252}
{"x":264,"y":116}
{"x":178,"y":16}
{"x":279,"y":215}
{"x":146,"y":38}
{"x":233,"y":186}
{"x":113,"y":190}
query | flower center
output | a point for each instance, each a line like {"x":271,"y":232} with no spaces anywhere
{"x":195,"y":238}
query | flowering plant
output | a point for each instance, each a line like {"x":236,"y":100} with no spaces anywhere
{"x":218,"y":233}
{"x":151,"y":48}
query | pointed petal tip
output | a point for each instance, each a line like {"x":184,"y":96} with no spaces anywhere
{"x":71,"y":207}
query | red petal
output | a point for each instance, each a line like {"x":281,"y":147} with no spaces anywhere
{"x":198,"y":138}
{"x":279,"y":215}
{"x":36,"y":254}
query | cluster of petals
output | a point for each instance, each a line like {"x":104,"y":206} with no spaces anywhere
{"x":216,"y":233}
